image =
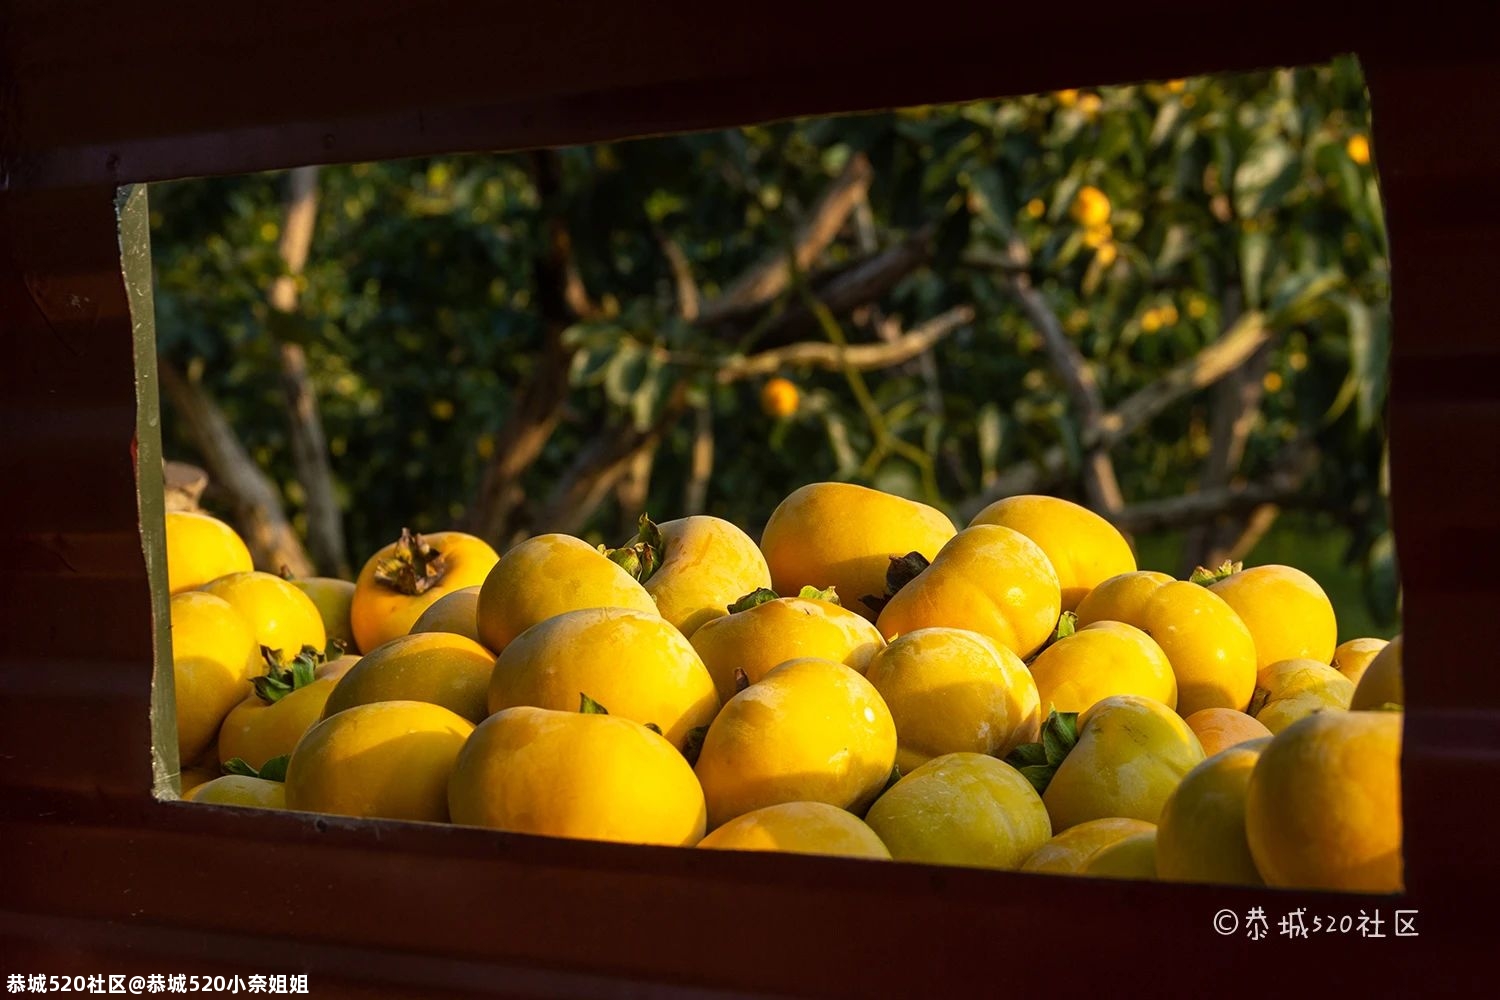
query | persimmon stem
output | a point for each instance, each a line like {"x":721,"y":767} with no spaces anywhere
{"x":901,"y":571}
{"x":279,"y":681}
{"x":415,"y":567}
{"x":1209,"y":577}
{"x":642,"y":557}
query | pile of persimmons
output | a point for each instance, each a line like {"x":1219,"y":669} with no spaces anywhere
{"x":866,"y":680}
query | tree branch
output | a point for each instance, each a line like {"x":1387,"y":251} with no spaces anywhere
{"x":600,"y":466}
{"x":538,"y":403}
{"x":888,"y":329}
{"x":633,"y":489}
{"x":254,"y":499}
{"x":682,"y":278}
{"x":296,"y":235}
{"x":701,"y":467}
{"x":1284,"y":487}
{"x":771,"y":276}
{"x":862,"y":282}
{"x":1207,"y":505}
{"x":325,"y":524}
{"x":1205,"y":368}
{"x":990,"y":260}
{"x":184,"y":485}
{"x":1236,"y":404}
{"x":1256,"y":525}
{"x":861,"y":357}
{"x":1099,"y":479}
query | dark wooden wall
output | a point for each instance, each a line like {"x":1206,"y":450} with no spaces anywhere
{"x":101,"y":877}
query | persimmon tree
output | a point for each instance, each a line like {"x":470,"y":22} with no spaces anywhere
{"x":1165,"y":300}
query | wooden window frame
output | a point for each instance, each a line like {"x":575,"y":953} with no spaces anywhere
{"x":105,"y":876}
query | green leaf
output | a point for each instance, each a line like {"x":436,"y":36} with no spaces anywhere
{"x":989,"y":431}
{"x":1093,"y":277}
{"x":1383,"y":580}
{"x":1067,"y":625}
{"x":1263,"y":178}
{"x":1255,"y":252}
{"x":1117,"y":140}
{"x":281,"y":680}
{"x":759,"y":596}
{"x":589,"y":706}
{"x":1351,"y":177}
{"x":1064,"y":193}
{"x":647,"y":400}
{"x":1068,"y":437}
{"x":1059,"y":735}
{"x":1039,"y":775}
{"x":1226,"y":158}
{"x":662,"y":203}
{"x":828,"y":595}
{"x":1038,"y":762}
{"x":272,"y":770}
{"x":1067,"y":246}
{"x":1299,"y":296}
{"x":995,"y":210}
{"x":625,"y":373}
{"x":951,"y":239}
{"x":1176,"y":246}
{"x":1027,"y":755}
{"x":955,"y":149}
{"x":275,"y":768}
{"x":1167,"y":117}
{"x":589,"y":367}
{"x":1348,"y":391}
{"x":920,"y":130}
{"x":271,"y":688}
{"x":846,"y":459}
{"x":305,"y":667}
{"x":239,"y":766}
{"x":1369,"y":350}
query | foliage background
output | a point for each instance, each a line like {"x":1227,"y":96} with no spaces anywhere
{"x":419,"y":308}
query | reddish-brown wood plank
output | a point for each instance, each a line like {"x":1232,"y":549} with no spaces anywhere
{"x":759,"y":923}
{"x":281,"y":83}
{"x":94,"y":93}
{"x":1437,"y":145}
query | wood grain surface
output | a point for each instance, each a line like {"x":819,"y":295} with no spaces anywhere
{"x":101,"y":876}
